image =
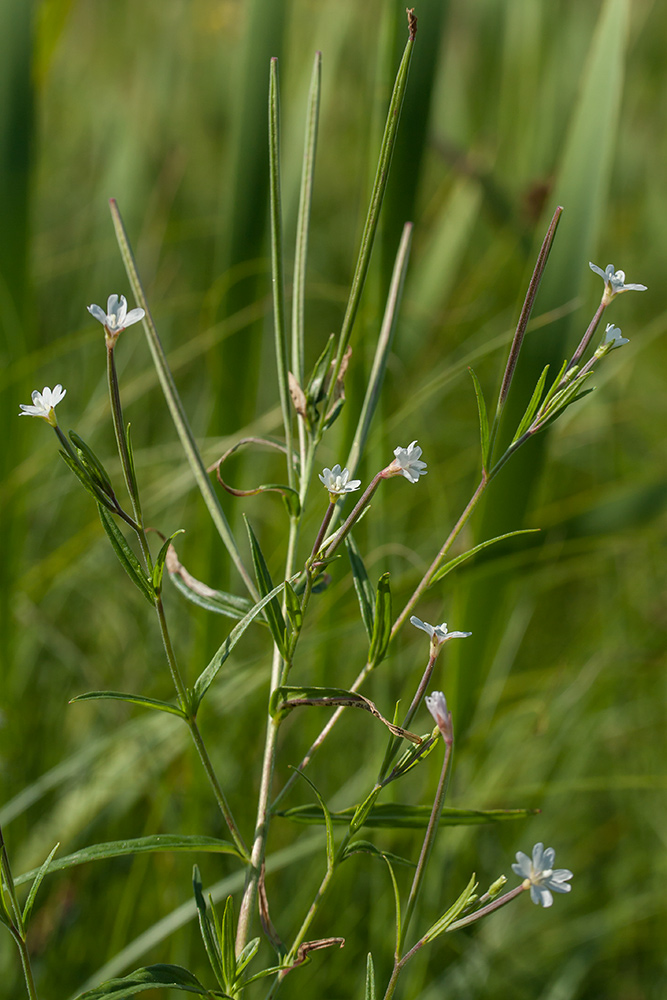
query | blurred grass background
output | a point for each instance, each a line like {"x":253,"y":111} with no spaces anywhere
{"x":559,"y":697}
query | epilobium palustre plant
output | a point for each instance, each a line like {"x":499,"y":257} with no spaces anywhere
{"x":310,"y":406}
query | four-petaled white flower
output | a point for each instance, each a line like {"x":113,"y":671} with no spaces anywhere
{"x":116,"y":318}
{"x":540,"y":875}
{"x":614,"y":281}
{"x":438,"y":633}
{"x":613,"y":338}
{"x":407,"y":463}
{"x":338,"y":481}
{"x":436,"y":703}
{"x":44,"y":403}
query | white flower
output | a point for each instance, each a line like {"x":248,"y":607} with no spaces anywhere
{"x":44,"y":403}
{"x":436,"y":703}
{"x":438,"y":633}
{"x":614,"y":281}
{"x":540,"y":874}
{"x":338,"y":481}
{"x":116,"y":318}
{"x":407,"y":463}
{"x":613,"y":337}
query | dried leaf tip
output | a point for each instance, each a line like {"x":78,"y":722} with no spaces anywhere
{"x":412,"y":22}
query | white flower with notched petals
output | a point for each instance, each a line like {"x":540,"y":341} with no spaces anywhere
{"x":116,"y":318}
{"x":407,"y":463}
{"x":614,"y":281}
{"x":436,"y":703}
{"x":613,"y":338}
{"x":438,"y":633}
{"x":338,"y":481}
{"x":43,"y":404}
{"x":540,"y":875}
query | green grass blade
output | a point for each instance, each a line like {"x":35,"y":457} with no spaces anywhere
{"x":134,"y":699}
{"x":140,"y":845}
{"x":175,"y":405}
{"x":278,"y":278}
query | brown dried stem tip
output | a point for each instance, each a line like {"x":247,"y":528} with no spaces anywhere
{"x":412,"y":22}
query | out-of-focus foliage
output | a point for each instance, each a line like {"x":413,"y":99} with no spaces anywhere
{"x":162,"y":105}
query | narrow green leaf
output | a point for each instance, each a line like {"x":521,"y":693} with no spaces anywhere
{"x":293,"y":608}
{"x":531,"y":409}
{"x":453,"y":563}
{"x":413,"y":755}
{"x":363,"y":809}
{"x":247,"y":955}
{"x":274,"y":615}
{"x":397,"y":816}
{"x":317,"y":383}
{"x":135,"y":699}
{"x":92,"y":464}
{"x":88,"y":484}
{"x":362,"y":585}
{"x":397,"y":902}
{"x":126,"y":556}
{"x":227,"y":935}
{"x":453,"y":912}
{"x":199,"y":593}
{"x":303,"y":221}
{"x":382,"y":622}
{"x":175,"y":405}
{"x":158,"y":568}
{"x":483,"y":419}
{"x":141,"y":845}
{"x":132,"y":475}
{"x":211,"y":943}
{"x":325,"y":815}
{"x":150,"y":978}
{"x":209,"y":672}
{"x":365,"y":847}
{"x":27,"y":909}
{"x":554,"y":386}
{"x":369,"y":993}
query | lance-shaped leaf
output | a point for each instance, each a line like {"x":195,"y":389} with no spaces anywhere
{"x":381,"y":623}
{"x":209,"y":672}
{"x":398,"y":816}
{"x":531,"y":409}
{"x":369,"y":993}
{"x":317,"y":384}
{"x":458,"y":560}
{"x":125,"y":555}
{"x":227,"y":948}
{"x":483,"y":419}
{"x":363,"y":809}
{"x":274,"y":615}
{"x":453,"y":912}
{"x":92,"y":464}
{"x":326,"y":816}
{"x":209,"y":937}
{"x":413,"y":755}
{"x":88,"y":483}
{"x":293,"y":608}
{"x":29,"y":903}
{"x":204,"y":596}
{"x":247,"y":955}
{"x":158,"y":569}
{"x":362,"y":585}
{"x":131,"y":472}
{"x":134,"y":699}
{"x":141,"y":845}
{"x":286,"y":698}
{"x":150,"y":978}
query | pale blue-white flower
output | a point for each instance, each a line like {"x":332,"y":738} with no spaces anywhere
{"x":614,"y":281}
{"x":613,"y":338}
{"x":44,"y":404}
{"x":116,"y":318}
{"x":539,"y":873}
{"x":407,"y":463}
{"x":438,"y":633}
{"x":338,"y":481}
{"x":436,"y":703}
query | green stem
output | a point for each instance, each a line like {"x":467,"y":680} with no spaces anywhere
{"x":184,"y":702}
{"x":427,"y":846}
{"x":17,"y":929}
{"x":435,"y":565}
